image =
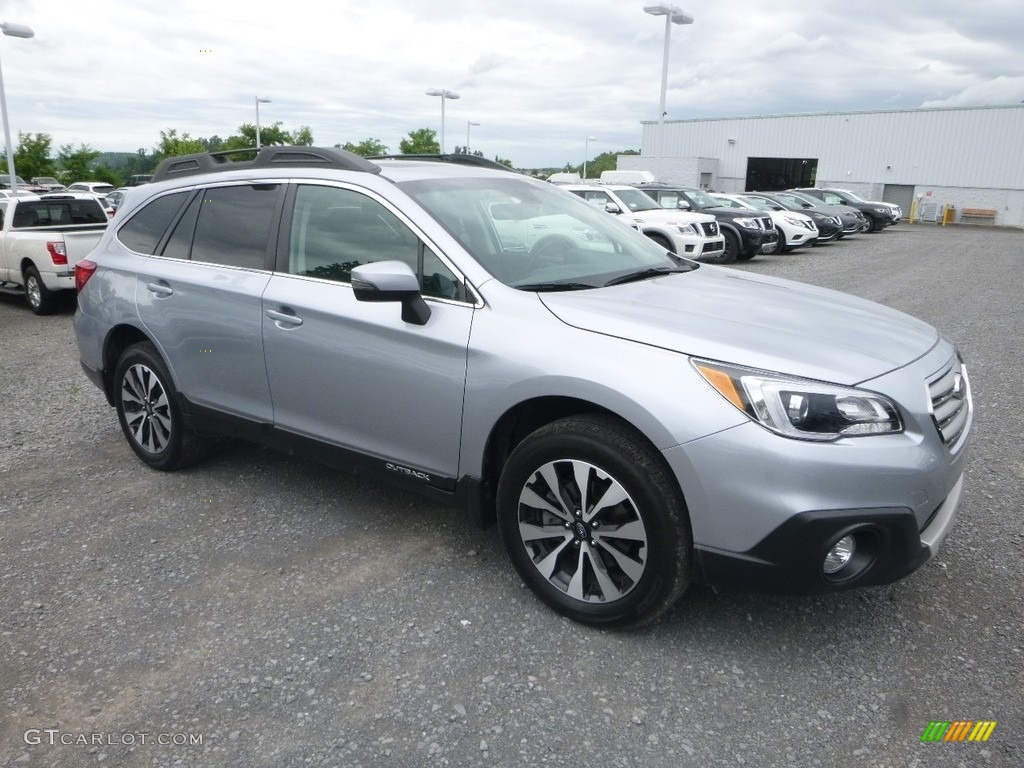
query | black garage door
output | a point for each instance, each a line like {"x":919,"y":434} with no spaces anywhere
{"x":767,"y":174}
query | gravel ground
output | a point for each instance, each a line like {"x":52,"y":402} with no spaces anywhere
{"x":257,"y":610}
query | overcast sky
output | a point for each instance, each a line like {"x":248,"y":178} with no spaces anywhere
{"x":538,"y":75}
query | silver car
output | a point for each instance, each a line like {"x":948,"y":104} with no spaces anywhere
{"x":633,"y":421}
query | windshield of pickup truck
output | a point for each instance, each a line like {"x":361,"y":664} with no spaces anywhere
{"x":55,"y":213}
{"x":535,"y":236}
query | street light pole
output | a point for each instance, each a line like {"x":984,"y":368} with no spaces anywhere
{"x":586,"y":154}
{"x":259,"y":100}
{"x":468,"y":125}
{"x":444,"y":93}
{"x":11,"y":30}
{"x":673,"y":15}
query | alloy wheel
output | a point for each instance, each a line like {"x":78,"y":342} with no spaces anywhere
{"x":582,"y":531}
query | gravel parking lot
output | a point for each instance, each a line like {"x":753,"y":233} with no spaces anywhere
{"x":257,"y":610}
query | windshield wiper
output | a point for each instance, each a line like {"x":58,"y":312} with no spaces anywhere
{"x":645,"y":274}
{"x":552,"y":287}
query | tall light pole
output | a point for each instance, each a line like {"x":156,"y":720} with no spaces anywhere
{"x":11,"y":30}
{"x":259,"y":100}
{"x":673,"y":15}
{"x":586,"y":154}
{"x":469,"y":124}
{"x":444,"y":93}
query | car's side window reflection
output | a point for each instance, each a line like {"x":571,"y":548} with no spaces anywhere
{"x":335,"y":230}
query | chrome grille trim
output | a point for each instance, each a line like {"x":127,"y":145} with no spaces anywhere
{"x":949,"y":401}
{"x":710,"y":228}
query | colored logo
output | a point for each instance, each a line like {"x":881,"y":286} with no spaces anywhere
{"x":958,"y":730}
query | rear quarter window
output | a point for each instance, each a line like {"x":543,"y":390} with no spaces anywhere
{"x":142,"y":232}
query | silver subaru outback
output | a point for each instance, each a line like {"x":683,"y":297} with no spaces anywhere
{"x":634,"y":422}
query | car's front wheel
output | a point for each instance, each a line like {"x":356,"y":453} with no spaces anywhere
{"x":148,"y":412}
{"x":594,"y":523}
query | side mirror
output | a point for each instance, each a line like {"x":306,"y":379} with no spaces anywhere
{"x":684,"y":205}
{"x":612,"y":208}
{"x":391,"y":281}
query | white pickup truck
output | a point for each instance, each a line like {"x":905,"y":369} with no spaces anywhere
{"x":41,"y":238}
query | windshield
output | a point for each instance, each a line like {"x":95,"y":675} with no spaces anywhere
{"x":536,"y":236}
{"x":703,"y":199}
{"x":636,"y":200}
{"x":849,"y":196}
{"x":760,"y":203}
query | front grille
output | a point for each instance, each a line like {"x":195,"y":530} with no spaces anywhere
{"x":766,"y":224}
{"x":950,"y":399}
{"x":710,"y":228}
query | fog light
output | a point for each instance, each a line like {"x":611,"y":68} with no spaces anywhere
{"x":840,"y":554}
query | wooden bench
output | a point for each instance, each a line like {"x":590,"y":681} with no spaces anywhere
{"x":978,"y":213}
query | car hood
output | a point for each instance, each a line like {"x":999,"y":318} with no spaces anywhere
{"x":668,"y":216}
{"x":756,"y":321}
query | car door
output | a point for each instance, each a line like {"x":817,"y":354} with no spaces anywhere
{"x":200,"y":294}
{"x":355,"y":374}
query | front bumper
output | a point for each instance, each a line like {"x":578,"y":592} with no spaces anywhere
{"x":790,"y":559}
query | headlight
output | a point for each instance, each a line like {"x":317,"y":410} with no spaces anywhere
{"x":747,"y":223}
{"x":687,"y":229}
{"x":802,"y":408}
{"x":793,"y":221}
{"x":883,"y":210}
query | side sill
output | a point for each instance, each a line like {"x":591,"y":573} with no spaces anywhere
{"x":446,"y":489}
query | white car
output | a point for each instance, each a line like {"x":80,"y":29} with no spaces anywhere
{"x":98,"y":188}
{"x":693,"y":235}
{"x":795,"y":229}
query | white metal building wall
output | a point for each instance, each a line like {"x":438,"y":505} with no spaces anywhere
{"x":980,"y":147}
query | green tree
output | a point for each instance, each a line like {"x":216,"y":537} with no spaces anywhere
{"x":420,"y":142}
{"x":32,"y":157}
{"x":75,"y":163}
{"x":465,"y":151}
{"x":140,"y":162}
{"x":503,"y":161}
{"x":105,"y":173}
{"x":302,"y":137}
{"x":365,"y":148}
{"x":270,"y":135}
{"x":606,"y":161}
{"x":172,"y":145}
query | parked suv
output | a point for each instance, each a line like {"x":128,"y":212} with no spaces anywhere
{"x":879,"y":215}
{"x":746,"y":233}
{"x":696,"y":236}
{"x":632,"y":420}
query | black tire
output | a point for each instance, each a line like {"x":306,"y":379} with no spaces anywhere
{"x":872,"y":225}
{"x":147,"y":409}
{"x":620,"y":580}
{"x":41,"y":299}
{"x":728,"y":254}
{"x":662,"y":241}
{"x":780,"y":244}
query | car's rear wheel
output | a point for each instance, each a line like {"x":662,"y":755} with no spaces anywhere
{"x":41,"y":299}
{"x":147,"y":409}
{"x":594,"y":523}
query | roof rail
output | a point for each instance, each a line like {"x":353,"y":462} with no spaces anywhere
{"x":457,"y":159}
{"x":267,"y":157}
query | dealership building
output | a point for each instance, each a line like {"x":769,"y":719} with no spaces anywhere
{"x":970,"y":158}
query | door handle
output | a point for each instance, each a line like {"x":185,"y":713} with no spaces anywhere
{"x":287,"y":318}
{"x":160,"y":289}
